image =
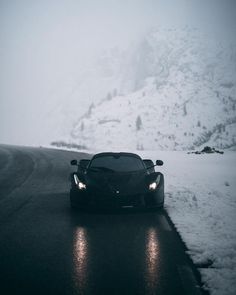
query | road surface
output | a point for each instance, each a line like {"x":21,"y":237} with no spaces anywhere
{"x":47,"y":249}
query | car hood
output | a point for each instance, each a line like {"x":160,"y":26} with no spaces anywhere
{"x":124,"y":183}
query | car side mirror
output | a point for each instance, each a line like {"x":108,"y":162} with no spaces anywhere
{"x":74,"y":162}
{"x":159,"y":162}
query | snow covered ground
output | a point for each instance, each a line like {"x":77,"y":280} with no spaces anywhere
{"x":201,"y":201}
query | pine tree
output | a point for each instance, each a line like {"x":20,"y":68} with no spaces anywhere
{"x":90,"y":109}
{"x":184,"y":109}
{"x":109,"y":96}
{"x":82,"y":126}
{"x":138,"y":123}
{"x":114,"y":92}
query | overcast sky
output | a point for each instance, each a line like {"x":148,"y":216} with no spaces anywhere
{"x":41,"y":42}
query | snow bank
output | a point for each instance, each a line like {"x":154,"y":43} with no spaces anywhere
{"x":201,"y":201}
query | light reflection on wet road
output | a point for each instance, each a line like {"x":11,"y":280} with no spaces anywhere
{"x":124,"y":253}
{"x":80,"y":257}
{"x":152,"y":260}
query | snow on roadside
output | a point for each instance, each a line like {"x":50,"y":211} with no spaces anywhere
{"x":201,"y":201}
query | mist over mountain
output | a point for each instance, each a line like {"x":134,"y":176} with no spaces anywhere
{"x":174,"y":89}
{"x":62,"y":60}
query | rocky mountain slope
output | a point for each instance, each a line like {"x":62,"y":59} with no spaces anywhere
{"x":176,"y":90}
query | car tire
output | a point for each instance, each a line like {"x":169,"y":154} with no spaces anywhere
{"x":72,"y":199}
{"x":161,"y":207}
{"x":72,"y":205}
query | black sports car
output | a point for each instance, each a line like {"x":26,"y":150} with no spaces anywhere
{"x":116,"y":180}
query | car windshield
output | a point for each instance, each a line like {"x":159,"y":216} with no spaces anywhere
{"x":112,"y":163}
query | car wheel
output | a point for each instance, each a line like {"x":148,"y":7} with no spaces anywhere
{"x":161,"y":207}
{"x":72,"y":205}
{"x":72,"y":199}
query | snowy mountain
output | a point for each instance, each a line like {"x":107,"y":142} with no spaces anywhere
{"x":175,"y":90}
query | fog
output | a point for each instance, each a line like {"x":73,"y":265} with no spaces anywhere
{"x":46,"y":44}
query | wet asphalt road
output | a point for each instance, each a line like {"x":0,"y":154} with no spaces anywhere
{"x":47,"y":249}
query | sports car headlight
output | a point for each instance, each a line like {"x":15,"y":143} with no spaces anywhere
{"x":153,"y":186}
{"x":80,"y":185}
